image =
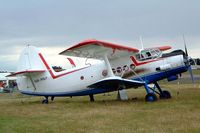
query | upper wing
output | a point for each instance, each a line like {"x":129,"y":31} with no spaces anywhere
{"x":161,"y":48}
{"x":115,"y":82}
{"x":96,"y":49}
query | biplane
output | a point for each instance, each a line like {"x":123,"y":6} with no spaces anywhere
{"x":117,"y":68}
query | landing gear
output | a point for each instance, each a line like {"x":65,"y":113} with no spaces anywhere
{"x":151,"y":93}
{"x":165,"y":95}
{"x":91,"y":98}
{"x":52,"y":98}
{"x":151,"y":97}
{"x":45,"y":101}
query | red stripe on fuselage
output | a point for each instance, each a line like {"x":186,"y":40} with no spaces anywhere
{"x":141,"y":63}
{"x":51,"y":72}
{"x":71,"y":62}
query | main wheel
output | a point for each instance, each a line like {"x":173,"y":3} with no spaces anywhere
{"x":45,"y":101}
{"x":165,"y":95}
{"x":151,"y":97}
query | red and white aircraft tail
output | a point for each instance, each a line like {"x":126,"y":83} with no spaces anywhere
{"x":29,"y":62}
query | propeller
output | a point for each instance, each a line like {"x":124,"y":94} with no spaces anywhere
{"x":187,"y":58}
{"x":186,"y":53}
{"x":191,"y":74}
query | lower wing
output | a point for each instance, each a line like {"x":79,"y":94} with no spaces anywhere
{"x":115,"y":83}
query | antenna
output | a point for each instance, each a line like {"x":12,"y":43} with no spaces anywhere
{"x":141,"y":42}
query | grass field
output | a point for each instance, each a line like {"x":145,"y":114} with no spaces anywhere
{"x":194,"y":71}
{"x":22,"y":114}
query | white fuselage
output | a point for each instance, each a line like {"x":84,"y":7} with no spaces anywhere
{"x":77,"y":79}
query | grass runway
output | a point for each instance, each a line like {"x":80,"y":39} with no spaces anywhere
{"x":25,"y":114}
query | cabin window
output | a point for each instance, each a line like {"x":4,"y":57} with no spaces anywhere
{"x":148,"y":54}
{"x":57,"y":68}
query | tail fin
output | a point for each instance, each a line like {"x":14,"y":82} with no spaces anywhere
{"x":29,"y":62}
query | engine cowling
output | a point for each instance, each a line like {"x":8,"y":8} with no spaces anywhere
{"x":164,"y":67}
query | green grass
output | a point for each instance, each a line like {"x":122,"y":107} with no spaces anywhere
{"x":194,"y":71}
{"x":24,"y":114}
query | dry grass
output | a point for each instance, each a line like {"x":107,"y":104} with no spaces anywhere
{"x":26,"y":114}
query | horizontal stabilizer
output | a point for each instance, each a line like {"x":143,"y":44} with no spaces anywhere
{"x":115,"y":82}
{"x":25,"y":72}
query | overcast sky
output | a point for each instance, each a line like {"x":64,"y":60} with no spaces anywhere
{"x":54,"y":25}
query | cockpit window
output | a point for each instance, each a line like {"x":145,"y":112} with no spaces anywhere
{"x":148,"y":54}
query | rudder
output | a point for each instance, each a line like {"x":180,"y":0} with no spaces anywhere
{"x":29,"y":60}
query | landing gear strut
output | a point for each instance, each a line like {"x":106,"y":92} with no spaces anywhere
{"x":52,"y":98}
{"x":45,"y":101}
{"x":151,"y":96}
{"x":164,"y":94}
{"x":91,"y":98}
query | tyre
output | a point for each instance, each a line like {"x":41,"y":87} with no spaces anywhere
{"x":151,"y":97}
{"x":45,"y":101}
{"x":165,"y":95}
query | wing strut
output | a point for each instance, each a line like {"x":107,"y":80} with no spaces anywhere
{"x":109,"y":69}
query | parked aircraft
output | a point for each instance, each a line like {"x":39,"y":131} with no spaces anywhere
{"x":117,"y":68}
{"x":7,"y":84}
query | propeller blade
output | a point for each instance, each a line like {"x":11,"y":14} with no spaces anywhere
{"x":185,"y":46}
{"x":191,"y":74}
{"x":188,"y":61}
